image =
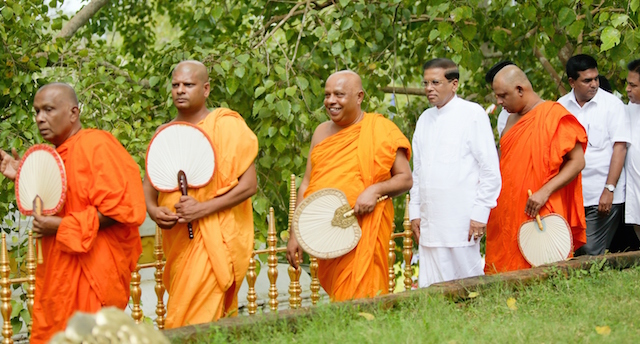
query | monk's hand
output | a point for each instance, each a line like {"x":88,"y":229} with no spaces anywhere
{"x":415,"y":228}
{"x":45,"y":225}
{"x":189,"y":209}
{"x":9,"y":164}
{"x":294,"y":252}
{"x":163,"y":217}
{"x":476,"y":230}
{"x":535,"y":203}
{"x":366,"y":201}
{"x":604,"y":206}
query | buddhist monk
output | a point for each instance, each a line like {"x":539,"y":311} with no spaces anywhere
{"x":203,"y":274}
{"x":366,"y":156}
{"x":542,"y":150}
{"x":91,"y":246}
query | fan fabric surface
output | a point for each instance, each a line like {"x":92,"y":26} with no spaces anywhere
{"x":41,"y":173}
{"x":313,"y":228}
{"x":552,"y":244}
{"x":180,"y":146}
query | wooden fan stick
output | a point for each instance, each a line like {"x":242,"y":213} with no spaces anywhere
{"x":37,"y":209}
{"x":182,"y":182}
{"x":350,"y":212}
{"x":540,"y":226}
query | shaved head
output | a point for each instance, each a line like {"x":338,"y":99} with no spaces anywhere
{"x":63,"y":90}
{"x":512,"y":75}
{"x":343,"y":95}
{"x":196,"y":67}
{"x":514,"y":91}
{"x":352,"y":79}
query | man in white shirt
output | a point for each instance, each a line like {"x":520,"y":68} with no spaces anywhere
{"x":632,"y":165}
{"x":456,"y":179}
{"x":603,"y":179}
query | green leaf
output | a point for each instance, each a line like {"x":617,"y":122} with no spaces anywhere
{"x":232,"y":85}
{"x":634,"y":5}
{"x":336,"y":48}
{"x":529,"y":12}
{"x":619,"y":19}
{"x":349,"y":43}
{"x":284,"y":108}
{"x":344,"y":3}
{"x":566,"y":16}
{"x":456,"y":44}
{"x":259,"y":91}
{"x":219,"y":69}
{"x":346,"y":24}
{"x":239,"y":72}
{"x":434,"y":34}
{"x":500,"y":37}
{"x":290,"y":91}
{"x":302,"y":83}
{"x":153,"y":81}
{"x":120,"y":80}
{"x":272,"y":131}
{"x":574,"y":29}
{"x":458,"y":14}
{"x":610,"y":37}
{"x":83,"y":53}
{"x":445,"y":29}
{"x":7,"y":13}
{"x":242,"y":58}
{"x":468,"y":32}
{"x":603,"y":17}
{"x":217,"y":12}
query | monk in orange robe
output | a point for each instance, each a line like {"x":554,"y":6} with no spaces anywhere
{"x":366,"y":156}
{"x":542,"y":150}
{"x":91,"y":247}
{"x":203,"y":274}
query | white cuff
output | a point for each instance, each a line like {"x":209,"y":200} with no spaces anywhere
{"x":480,"y":214}
{"x":414,"y":211}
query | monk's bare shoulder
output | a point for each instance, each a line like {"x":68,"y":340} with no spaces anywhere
{"x":323,"y":130}
{"x":511,"y":120}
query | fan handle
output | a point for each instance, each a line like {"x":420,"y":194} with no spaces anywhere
{"x":537,"y":215}
{"x":182,"y":183}
{"x":37,"y":209}
{"x":350,"y":212}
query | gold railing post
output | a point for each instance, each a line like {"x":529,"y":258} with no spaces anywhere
{"x":295,"y":301}
{"x":392,"y":260}
{"x":407,"y":246}
{"x":251,"y":282}
{"x":272,"y":261}
{"x":159,"y":288}
{"x":31,"y":276}
{"x":136,"y":292}
{"x":5,"y":293}
{"x":292,"y":201}
{"x":315,"y":282}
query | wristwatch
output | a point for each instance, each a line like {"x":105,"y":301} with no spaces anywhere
{"x":610,"y":187}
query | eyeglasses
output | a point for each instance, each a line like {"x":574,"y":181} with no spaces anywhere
{"x":435,"y":83}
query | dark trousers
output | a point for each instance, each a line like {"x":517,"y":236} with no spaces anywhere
{"x":600,"y":229}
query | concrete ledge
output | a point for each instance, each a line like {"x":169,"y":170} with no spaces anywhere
{"x":457,"y":289}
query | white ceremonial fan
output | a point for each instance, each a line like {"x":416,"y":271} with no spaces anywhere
{"x":325,"y":226}
{"x":180,"y":146}
{"x":545,"y":240}
{"x":41,"y":183}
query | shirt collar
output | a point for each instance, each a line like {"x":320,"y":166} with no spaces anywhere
{"x":595,"y":100}
{"x":448,"y":106}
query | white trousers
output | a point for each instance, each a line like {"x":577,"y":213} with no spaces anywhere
{"x":440,"y":264}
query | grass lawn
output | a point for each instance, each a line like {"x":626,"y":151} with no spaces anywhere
{"x":587,"y":307}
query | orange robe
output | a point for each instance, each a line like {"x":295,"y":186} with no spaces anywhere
{"x":532,"y":154}
{"x":203,"y":274}
{"x":84,"y":268}
{"x":351,"y":160}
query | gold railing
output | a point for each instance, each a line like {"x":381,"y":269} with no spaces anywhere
{"x":272,"y":251}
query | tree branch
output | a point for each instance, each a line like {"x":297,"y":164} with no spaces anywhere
{"x":81,"y":18}
{"x":549,"y":68}
{"x":297,"y":13}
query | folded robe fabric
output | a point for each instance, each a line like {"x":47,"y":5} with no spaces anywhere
{"x":85,"y":268}
{"x":532,"y":153}
{"x":203,"y":275}
{"x":351,"y":160}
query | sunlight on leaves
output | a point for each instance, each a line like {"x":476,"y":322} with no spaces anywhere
{"x":511,"y":303}
{"x":603,"y":330}
{"x":473,"y":294}
{"x":367,"y":316}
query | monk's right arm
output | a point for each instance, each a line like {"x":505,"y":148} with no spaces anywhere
{"x":160,"y":215}
{"x":573,"y":164}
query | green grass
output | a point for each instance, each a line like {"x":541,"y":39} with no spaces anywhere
{"x":558,"y":310}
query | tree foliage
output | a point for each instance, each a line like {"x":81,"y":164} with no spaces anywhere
{"x":268,"y":60}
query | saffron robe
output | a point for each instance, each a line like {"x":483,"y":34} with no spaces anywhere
{"x":532,"y":154}
{"x":351,"y":160}
{"x":203,"y":274}
{"x":85,"y":268}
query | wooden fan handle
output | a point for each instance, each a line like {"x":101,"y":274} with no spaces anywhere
{"x":537,"y":215}
{"x":182,"y":183}
{"x":350,"y":212}
{"x":37,"y":209}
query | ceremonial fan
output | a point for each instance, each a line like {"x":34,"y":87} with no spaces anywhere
{"x":41,"y":184}
{"x":545,"y":240}
{"x":325,"y":226}
{"x":180,"y":155}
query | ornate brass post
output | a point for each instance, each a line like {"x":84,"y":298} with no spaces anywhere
{"x":407,"y":246}
{"x":392,"y":260}
{"x":272,"y":261}
{"x":292,"y":201}
{"x":136,"y":292}
{"x":159,"y":274}
{"x":295,"y":301}
{"x":5,"y":293}
{"x":31,"y":276}
{"x":315,"y":282}
{"x":251,"y":281}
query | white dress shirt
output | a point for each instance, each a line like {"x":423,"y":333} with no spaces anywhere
{"x":456,"y":173}
{"x":605,"y":119}
{"x":632,"y":167}
{"x":502,"y":121}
